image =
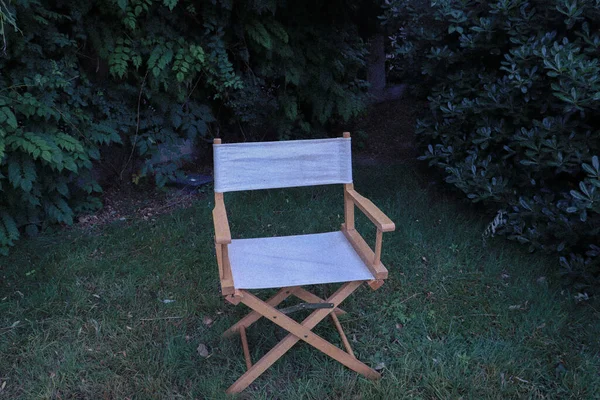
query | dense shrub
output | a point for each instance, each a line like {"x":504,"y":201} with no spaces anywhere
{"x":85,"y":82}
{"x":514,"y":94}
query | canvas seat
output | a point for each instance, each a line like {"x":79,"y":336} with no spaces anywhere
{"x":290,"y":262}
{"x":284,"y":261}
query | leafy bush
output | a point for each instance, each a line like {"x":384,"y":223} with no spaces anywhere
{"x":514,"y":94}
{"x":116,"y":82}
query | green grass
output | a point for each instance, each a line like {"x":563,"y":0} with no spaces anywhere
{"x":455,"y":319}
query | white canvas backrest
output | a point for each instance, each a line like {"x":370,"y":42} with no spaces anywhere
{"x":267,"y":165}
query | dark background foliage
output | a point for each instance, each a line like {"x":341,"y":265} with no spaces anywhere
{"x":514,"y":94}
{"x":109,"y":88}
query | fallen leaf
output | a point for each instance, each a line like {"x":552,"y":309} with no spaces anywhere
{"x":519,"y":306}
{"x":202,"y":350}
{"x":581,"y":297}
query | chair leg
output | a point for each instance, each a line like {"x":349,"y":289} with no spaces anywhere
{"x":304,"y":333}
{"x":253,"y":316}
{"x":245,"y":347}
{"x":338,"y":326}
{"x":299,"y":332}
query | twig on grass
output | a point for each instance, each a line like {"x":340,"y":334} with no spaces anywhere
{"x":159,"y":318}
{"x":8,"y":328}
{"x":408,"y":298}
{"x":476,"y":315}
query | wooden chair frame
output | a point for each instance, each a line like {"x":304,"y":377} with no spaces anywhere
{"x":301,"y":331}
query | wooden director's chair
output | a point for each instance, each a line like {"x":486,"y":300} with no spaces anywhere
{"x":289,"y":262}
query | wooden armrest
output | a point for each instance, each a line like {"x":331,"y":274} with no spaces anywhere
{"x":222,"y":233}
{"x":365,"y":253}
{"x":377,"y":216}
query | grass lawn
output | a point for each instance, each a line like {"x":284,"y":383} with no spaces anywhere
{"x":82,"y":313}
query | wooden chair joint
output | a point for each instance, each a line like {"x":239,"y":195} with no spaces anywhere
{"x":235,"y":297}
{"x":375,"y":283}
{"x":365,"y":253}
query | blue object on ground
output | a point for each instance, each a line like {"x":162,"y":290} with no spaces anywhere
{"x":192,"y":182}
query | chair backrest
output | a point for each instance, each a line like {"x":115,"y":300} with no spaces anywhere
{"x":267,"y":165}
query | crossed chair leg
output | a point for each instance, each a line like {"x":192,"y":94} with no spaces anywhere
{"x":298,"y":331}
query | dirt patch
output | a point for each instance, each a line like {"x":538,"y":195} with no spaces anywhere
{"x":131,"y":202}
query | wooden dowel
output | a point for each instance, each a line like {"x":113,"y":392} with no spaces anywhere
{"x":245,"y":346}
{"x":378,"y":242}
{"x":348,"y":207}
{"x":226,"y":264}
{"x":337,"y":324}
{"x":218,"y":250}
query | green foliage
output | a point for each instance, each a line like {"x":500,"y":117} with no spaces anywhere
{"x":117,"y":83}
{"x":514,"y":110}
